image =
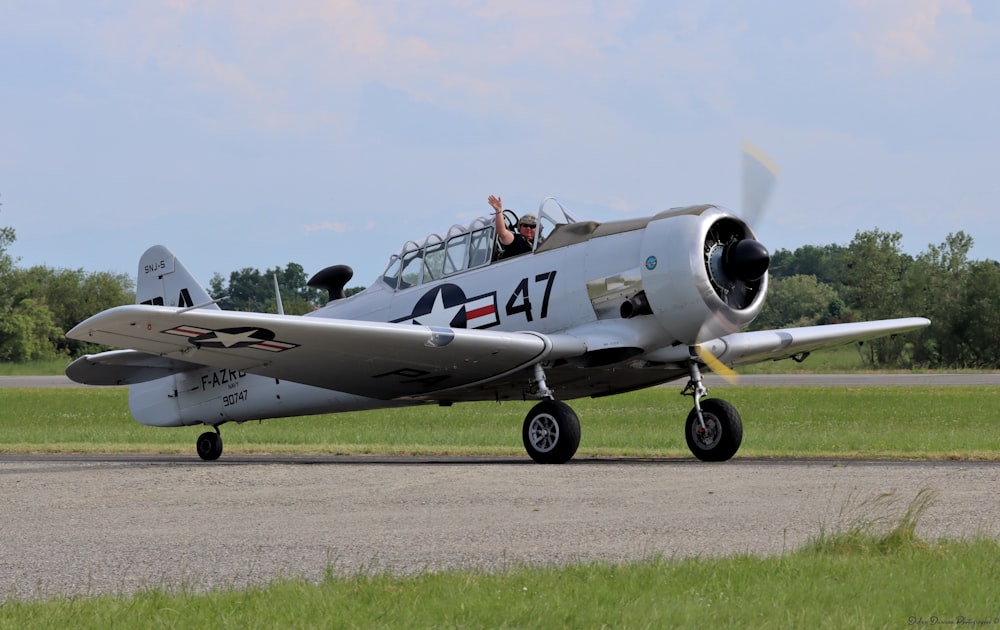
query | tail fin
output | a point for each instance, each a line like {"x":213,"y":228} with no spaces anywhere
{"x":164,"y":281}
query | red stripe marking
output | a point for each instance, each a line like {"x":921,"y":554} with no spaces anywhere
{"x":480,"y":312}
{"x":188,"y":331}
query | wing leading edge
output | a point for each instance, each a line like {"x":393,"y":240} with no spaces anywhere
{"x":373,"y":359}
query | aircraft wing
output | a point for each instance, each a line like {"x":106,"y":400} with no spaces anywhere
{"x":771,"y":345}
{"x":374,"y":359}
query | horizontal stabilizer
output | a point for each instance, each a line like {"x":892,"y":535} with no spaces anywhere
{"x":124,"y":367}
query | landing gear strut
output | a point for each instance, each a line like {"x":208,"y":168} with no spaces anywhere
{"x":714,"y":429}
{"x":209,"y":445}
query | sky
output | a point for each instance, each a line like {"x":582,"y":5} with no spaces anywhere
{"x":255,"y":133}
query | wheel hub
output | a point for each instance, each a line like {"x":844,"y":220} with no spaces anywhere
{"x":544,"y":432}
{"x":709,"y":436}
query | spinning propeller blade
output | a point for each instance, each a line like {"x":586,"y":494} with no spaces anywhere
{"x":760,"y":173}
{"x":717,"y":366}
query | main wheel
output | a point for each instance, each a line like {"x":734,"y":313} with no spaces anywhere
{"x":209,"y":446}
{"x":722,"y":435}
{"x":551,"y":432}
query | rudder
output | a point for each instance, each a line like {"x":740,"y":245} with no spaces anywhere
{"x":163,"y":281}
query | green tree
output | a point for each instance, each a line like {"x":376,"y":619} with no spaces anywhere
{"x":250,"y":290}
{"x":825,"y":262}
{"x":73,"y":295}
{"x":873,"y":270}
{"x":26,"y":324}
{"x":978,"y":320}
{"x":297,"y":297}
{"x":28,"y":331}
{"x":38,"y":305}
{"x":800,"y":300}
{"x":934,"y":287}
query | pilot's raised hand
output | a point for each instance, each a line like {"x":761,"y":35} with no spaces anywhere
{"x":504,"y":235}
{"x":496,"y":203}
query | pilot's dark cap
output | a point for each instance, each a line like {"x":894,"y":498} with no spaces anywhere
{"x":529,"y":220}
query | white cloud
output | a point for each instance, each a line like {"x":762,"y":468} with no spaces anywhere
{"x":904,"y":32}
{"x":328,"y":226}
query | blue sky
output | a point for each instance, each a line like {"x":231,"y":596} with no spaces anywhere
{"x":258,"y":133}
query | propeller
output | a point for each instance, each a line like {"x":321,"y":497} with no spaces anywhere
{"x":760,"y":173}
{"x":735,"y":262}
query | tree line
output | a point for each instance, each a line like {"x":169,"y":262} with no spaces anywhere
{"x":870,"y":278}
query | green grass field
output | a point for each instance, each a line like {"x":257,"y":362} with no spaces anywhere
{"x":876,"y":422}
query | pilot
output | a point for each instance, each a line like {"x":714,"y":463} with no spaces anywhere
{"x":513,"y":243}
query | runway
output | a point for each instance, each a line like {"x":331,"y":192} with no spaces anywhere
{"x":98,"y":524}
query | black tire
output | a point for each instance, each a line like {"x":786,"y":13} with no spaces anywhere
{"x":209,"y":446}
{"x":551,"y":432}
{"x":723,"y":435}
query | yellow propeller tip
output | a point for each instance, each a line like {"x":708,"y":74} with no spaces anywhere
{"x":761,"y":157}
{"x":718,"y":367}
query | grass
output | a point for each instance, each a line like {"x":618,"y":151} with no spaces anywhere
{"x":873,"y":573}
{"x":34,"y":368}
{"x":870,"y":422}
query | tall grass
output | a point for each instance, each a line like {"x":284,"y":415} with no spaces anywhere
{"x":874,"y":525}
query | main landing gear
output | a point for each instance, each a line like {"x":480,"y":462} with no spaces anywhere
{"x":551,"y":432}
{"x":209,"y":445}
{"x":714,"y":429}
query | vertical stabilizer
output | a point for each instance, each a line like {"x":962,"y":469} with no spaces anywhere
{"x":164,"y":281}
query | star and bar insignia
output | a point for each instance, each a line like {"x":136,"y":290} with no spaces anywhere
{"x":242,"y":337}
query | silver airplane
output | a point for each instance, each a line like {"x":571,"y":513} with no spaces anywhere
{"x":593,"y":309}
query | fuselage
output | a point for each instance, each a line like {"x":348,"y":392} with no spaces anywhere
{"x":627,"y":288}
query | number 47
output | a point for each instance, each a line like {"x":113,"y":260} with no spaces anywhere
{"x":519,"y":302}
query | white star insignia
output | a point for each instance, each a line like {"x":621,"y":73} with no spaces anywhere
{"x":229,"y":340}
{"x":440,"y":314}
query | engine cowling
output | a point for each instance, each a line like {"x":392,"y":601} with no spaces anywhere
{"x":704,"y":272}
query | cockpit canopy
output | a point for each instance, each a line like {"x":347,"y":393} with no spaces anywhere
{"x":462,"y":247}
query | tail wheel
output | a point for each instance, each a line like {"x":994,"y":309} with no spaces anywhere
{"x":209,"y":446}
{"x":722,"y":435}
{"x":551,"y":432}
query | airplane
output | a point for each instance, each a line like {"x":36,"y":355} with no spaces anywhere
{"x":594,"y":309}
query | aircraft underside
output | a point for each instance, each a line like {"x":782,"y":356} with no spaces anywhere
{"x":550,"y":433}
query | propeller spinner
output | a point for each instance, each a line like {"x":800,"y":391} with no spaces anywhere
{"x":737,"y":261}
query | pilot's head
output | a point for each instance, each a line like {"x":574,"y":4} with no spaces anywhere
{"x":527,"y":225}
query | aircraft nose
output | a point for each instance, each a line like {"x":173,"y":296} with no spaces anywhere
{"x":747,"y":259}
